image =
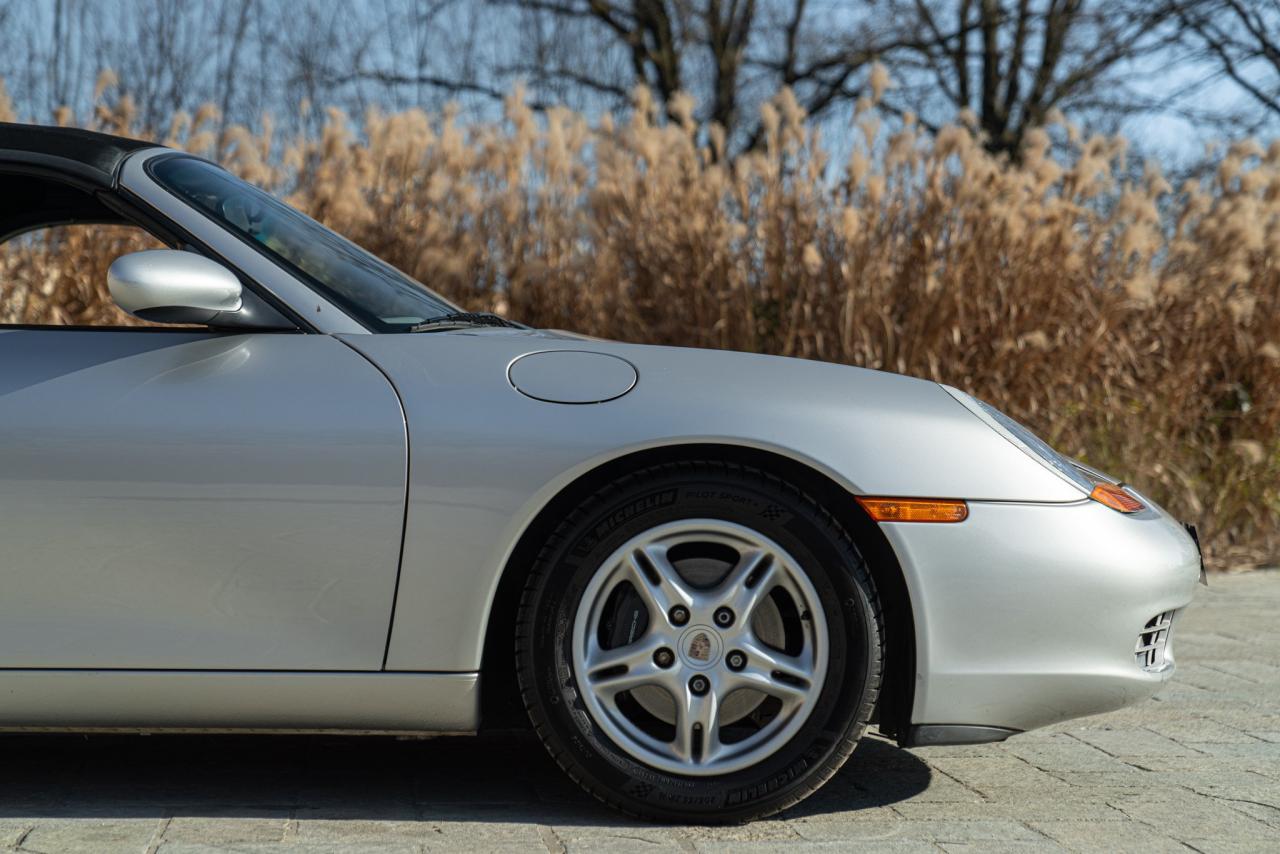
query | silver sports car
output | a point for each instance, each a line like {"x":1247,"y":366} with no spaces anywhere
{"x":327,"y":499}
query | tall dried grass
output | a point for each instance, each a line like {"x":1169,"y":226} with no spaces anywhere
{"x":1135,"y":326}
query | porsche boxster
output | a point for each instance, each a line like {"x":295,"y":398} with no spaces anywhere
{"x":310,"y":494}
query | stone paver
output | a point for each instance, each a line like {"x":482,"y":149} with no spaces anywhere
{"x":1197,"y":769}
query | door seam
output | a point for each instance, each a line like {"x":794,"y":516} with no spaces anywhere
{"x":404,"y":521}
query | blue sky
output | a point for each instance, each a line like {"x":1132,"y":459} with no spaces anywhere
{"x":98,"y":32}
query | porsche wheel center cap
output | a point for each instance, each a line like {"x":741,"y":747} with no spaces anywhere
{"x":700,"y":647}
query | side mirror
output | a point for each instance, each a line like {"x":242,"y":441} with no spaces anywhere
{"x":168,"y":286}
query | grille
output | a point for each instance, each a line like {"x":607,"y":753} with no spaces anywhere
{"x":1153,"y":643}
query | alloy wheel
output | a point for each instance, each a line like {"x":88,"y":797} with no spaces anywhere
{"x":700,"y":647}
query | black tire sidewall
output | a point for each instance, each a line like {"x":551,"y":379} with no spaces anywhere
{"x":799,"y":526}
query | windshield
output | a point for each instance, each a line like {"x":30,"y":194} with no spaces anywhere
{"x":369,"y":289}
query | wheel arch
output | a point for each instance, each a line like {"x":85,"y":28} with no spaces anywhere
{"x":500,"y":703}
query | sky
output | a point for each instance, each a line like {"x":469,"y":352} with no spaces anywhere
{"x":118,"y":32}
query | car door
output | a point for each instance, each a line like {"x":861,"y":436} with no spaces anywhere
{"x":183,"y":499}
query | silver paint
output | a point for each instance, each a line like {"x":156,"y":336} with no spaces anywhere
{"x":572,"y":376}
{"x":186,"y":500}
{"x":169,"y":278}
{"x":487,"y":458}
{"x":1028,"y":614}
{"x":221,"y":700}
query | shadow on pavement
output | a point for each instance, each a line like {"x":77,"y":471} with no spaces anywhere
{"x":500,"y":777}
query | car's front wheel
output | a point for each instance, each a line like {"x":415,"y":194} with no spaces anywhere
{"x":699,"y":641}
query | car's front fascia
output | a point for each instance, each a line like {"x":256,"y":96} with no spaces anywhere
{"x":1028,"y":614}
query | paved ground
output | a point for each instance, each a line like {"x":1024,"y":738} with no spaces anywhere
{"x":1197,"y":769}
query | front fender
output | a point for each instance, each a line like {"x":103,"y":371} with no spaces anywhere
{"x":486,"y":458}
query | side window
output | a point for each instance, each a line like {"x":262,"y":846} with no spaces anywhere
{"x":57,"y":276}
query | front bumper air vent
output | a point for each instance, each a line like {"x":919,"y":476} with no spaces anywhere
{"x":1153,"y":643}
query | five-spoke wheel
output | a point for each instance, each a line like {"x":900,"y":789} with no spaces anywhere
{"x":699,"y":641}
{"x":729,"y":658}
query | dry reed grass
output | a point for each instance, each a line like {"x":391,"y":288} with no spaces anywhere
{"x":1135,"y":326}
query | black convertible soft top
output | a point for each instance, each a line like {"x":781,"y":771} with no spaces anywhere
{"x":83,"y":156}
{"x":55,"y":176}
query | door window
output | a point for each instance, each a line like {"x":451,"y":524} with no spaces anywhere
{"x":57,"y":276}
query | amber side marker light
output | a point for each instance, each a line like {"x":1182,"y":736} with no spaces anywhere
{"x":915,"y":509}
{"x":1115,"y":498}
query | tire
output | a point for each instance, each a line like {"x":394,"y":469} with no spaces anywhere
{"x":593,"y":596}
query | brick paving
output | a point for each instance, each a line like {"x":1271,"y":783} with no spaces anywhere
{"x":1197,"y":769}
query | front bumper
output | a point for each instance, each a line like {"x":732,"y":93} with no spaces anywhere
{"x":1030,"y":614}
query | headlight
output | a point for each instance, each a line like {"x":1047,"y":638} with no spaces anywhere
{"x":1038,"y":446}
{"x":1092,"y":482}
{"x":1024,"y":438}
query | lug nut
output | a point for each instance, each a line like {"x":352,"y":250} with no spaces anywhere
{"x":664,"y":658}
{"x":736,"y":660}
{"x":679,"y":615}
{"x":699,"y":685}
{"x":724,"y":618}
